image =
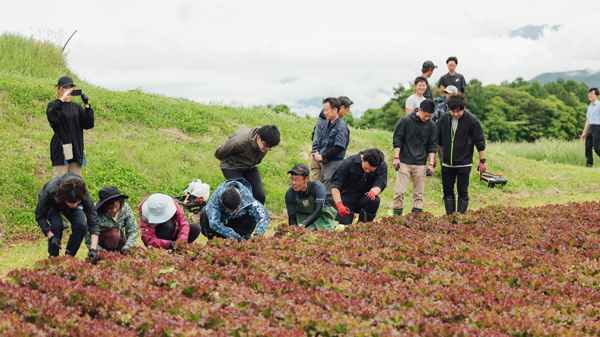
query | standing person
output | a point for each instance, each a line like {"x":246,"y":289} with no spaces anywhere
{"x":458,"y":132}
{"x":233,"y":213}
{"x":67,"y":195}
{"x":592,"y":122}
{"x":68,"y":120}
{"x":162,"y":222}
{"x":306,"y":201}
{"x":442,"y":108}
{"x":316,"y":166}
{"x":118,"y":228}
{"x":245,"y":149}
{"x":333,"y":142}
{"x":427,"y":71}
{"x":415,"y":139}
{"x":413,"y":101}
{"x":452,"y":77}
{"x":356,"y":186}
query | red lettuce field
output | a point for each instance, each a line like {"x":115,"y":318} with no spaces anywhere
{"x":493,"y":272}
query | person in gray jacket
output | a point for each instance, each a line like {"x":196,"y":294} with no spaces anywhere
{"x":245,"y":149}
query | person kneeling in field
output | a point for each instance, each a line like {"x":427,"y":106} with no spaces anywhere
{"x":67,"y":195}
{"x":233,"y":213}
{"x":118,"y":230}
{"x":306,"y":201}
{"x":163,"y":222}
{"x":356,"y":184}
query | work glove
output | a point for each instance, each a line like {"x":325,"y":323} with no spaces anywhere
{"x":94,"y":255}
{"x":371,"y":195}
{"x":172,"y":245}
{"x":342,"y":210}
{"x":481,"y":167}
{"x":55,"y":242}
{"x":396,"y":163}
{"x":85,"y":99}
{"x":430,"y":170}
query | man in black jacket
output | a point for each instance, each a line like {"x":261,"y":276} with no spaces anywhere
{"x":458,"y":132}
{"x":415,"y":139}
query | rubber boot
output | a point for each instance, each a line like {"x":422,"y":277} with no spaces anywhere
{"x":450,"y":204}
{"x":398,"y":211}
{"x":370,"y":217}
{"x":463,"y":204}
{"x":416,"y":210}
{"x":362,"y":216}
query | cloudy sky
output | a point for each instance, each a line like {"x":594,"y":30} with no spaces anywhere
{"x":270,"y":52}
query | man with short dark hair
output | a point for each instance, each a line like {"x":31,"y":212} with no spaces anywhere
{"x":356,"y":186}
{"x":413,"y":101}
{"x":245,"y":149}
{"x":452,"y":77}
{"x":427,"y":71}
{"x":592,"y":122}
{"x":458,"y":132}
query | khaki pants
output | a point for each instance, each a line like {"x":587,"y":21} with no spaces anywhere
{"x":59,"y":170}
{"x":315,"y":168}
{"x":402,"y":178}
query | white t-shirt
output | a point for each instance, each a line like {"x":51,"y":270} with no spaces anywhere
{"x":413,"y":101}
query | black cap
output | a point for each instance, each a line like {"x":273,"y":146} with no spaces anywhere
{"x":300,"y":169}
{"x":428,"y":65}
{"x":65,"y":81}
{"x":107,"y":193}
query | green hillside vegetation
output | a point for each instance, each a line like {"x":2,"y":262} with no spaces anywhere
{"x":147,"y":143}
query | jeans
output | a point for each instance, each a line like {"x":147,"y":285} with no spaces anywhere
{"x":253,"y":177}
{"x":78,"y":226}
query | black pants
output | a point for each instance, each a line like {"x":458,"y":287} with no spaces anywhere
{"x":592,"y":141}
{"x":253,"y":177}
{"x":458,"y":175}
{"x":167,"y":231}
{"x":243,"y":225}
{"x":78,"y":228}
{"x":355,"y":203}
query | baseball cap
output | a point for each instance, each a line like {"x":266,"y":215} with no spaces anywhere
{"x":451,"y":89}
{"x":429,"y":65}
{"x":65,"y":81}
{"x":300,"y":169}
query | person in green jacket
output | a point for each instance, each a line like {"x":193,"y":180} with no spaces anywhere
{"x":118,"y":228}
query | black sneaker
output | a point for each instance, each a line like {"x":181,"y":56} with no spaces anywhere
{"x":589,"y":165}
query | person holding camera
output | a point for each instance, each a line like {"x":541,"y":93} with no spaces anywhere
{"x":68,"y":120}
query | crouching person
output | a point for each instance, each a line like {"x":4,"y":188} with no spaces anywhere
{"x":356,"y":184}
{"x":118,"y":229}
{"x":67,"y":195}
{"x":163,"y":222}
{"x":233,"y":213}
{"x":306,"y":201}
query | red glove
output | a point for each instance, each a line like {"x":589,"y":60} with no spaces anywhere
{"x":481,"y":167}
{"x":396,"y":163}
{"x":342,"y":210}
{"x":371,"y":195}
{"x":430,"y":170}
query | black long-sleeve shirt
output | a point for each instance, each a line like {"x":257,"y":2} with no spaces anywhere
{"x":415,"y":138}
{"x":68,"y":120}
{"x":351,"y":179}
{"x":458,"y":145}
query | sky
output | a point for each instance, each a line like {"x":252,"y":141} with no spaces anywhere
{"x":278,"y":52}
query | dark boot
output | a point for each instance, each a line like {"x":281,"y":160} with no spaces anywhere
{"x":416,"y":210}
{"x":398,"y":211}
{"x":463,"y":204}
{"x":362,"y":216}
{"x":450,"y":204}
{"x":370,"y":217}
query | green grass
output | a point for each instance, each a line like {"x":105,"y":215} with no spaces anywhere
{"x":549,"y":150}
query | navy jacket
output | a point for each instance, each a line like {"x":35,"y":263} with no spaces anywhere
{"x":332,"y":134}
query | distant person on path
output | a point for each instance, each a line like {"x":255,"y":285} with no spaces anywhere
{"x":233,"y":213}
{"x":316,"y":166}
{"x":333,"y":142}
{"x":356,"y":186}
{"x":427,"y":71}
{"x":442,"y":108}
{"x":162,"y":222}
{"x":118,"y":228}
{"x":458,"y":132}
{"x":592,"y":123}
{"x":67,"y":195}
{"x":414,"y":139}
{"x":68,"y":120}
{"x":452,"y":77}
{"x":306,"y":201}
{"x":414,"y":101}
{"x":245,"y":149}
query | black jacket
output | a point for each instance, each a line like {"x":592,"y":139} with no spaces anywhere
{"x":458,"y":149}
{"x":46,"y":200}
{"x":415,"y":139}
{"x":68,"y":120}
{"x":350,"y":178}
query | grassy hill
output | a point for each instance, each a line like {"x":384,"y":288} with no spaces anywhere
{"x":147,"y":143}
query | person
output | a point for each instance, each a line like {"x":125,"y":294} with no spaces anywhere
{"x":68,"y":120}
{"x":333,"y":142}
{"x":442,"y":108}
{"x":245,"y":149}
{"x":592,"y":123}
{"x":233,"y":213}
{"x":306,"y":201}
{"x":317,"y":166}
{"x":356,"y":186}
{"x":427,"y":71}
{"x":162,"y":222}
{"x":413,"y":101}
{"x":67,"y":195}
{"x":414,"y":139}
{"x":452,"y":77}
{"x":118,"y":229}
{"x":458,"y":131}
